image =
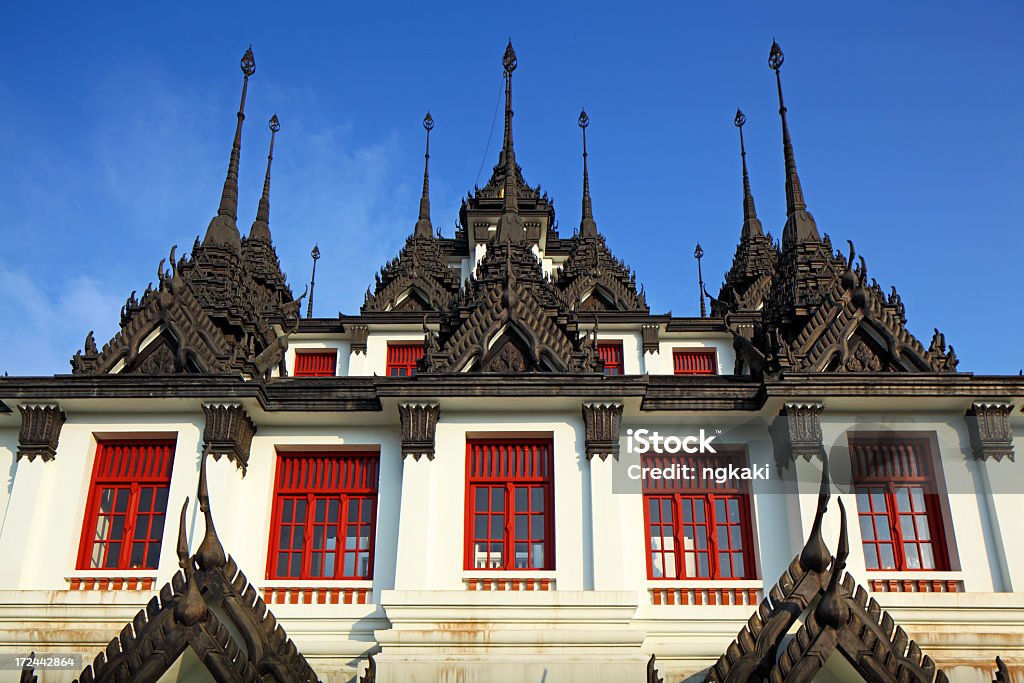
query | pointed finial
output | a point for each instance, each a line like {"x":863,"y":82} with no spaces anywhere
{"x":698,"y":254}
{"x":800,"y":225}
{"x":315,"y":255}
{"x":751,"y":224}
{"x":815,"y":555}
{"x":588,"y":228}
{"x":210,"y":554}
{"x":510,"y":227}
{"x":261,"y":226}
{"x":223,"y":229}
{"x":832,"y":610}
{"x":423,"y":226}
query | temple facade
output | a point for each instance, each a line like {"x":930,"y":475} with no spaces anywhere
{"x":470,"y":479}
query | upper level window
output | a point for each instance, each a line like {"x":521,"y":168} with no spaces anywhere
{"x":124,"y":515}
{"x":611,"y":354}
{"x":316,"y":363}
{"x":702,"y":362}
{"x":402,"y":359}
{"x":898,"y":504}
{"x":325,"y":512}
{"x":509,"y":499}
{"x":697,"y":529}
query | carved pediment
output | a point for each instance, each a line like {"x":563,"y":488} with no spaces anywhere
{"x":419,"y":279}
{"x":592,"y":279}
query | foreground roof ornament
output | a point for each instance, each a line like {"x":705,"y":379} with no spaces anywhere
{"x":588,"y":228}
{"x":423,"y":226}
{"x":223,"y":229}
{"x":261,"y":226}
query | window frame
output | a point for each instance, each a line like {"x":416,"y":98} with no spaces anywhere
{"x":320,"y":353}
{"x":618,"y":363}
{"x":708,"y":494}
{"x":927,"y":480}
{"x":134,"y":484}
{"x":409,"y":366}
{"x":678,"y":353}
{"x":310,"y":495}
{"x":509,"y":485}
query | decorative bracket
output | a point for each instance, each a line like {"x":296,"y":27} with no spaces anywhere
{"x":359,"y":336}
{"x":40,"y":431}
{"x":650,"y":338}
{"x":796,"y":433}
{"x":228,"y":431}
{"x":602,"y":422}
{"x":419,"y":427}
{"x":989,"y":426}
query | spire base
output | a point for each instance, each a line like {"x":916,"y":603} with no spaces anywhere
{"x":588,"y":227}
{"x":260,"y":230}
{"x":223,"y":232}
{"x":800,"y":227}
{"x":424,"y":228}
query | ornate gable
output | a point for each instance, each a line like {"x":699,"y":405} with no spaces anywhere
{"x":418,"y":279}
{"x":509,"y":318}
{"x":593,"y":279}
{"x":191,"y":612}
{"x":838,"y":615}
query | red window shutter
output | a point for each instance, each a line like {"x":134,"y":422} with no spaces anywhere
{"x":402,"y":359}
{"x":509,"y":505}
{"x":324,"y":516}
{"x":898,"y":505}
{"x":316,"y":363}
{"x":697,"y":528}
{"x":694,"y":363}
{"x":611,"y":354}
{"x":127,"y":503}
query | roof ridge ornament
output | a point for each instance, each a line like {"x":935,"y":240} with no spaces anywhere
{"x":510,"y":227}
{"x":800,"y":225}
{"x":423,"y":226}
{"x":223,"y":229}
{"x":588,"y":227}
{"x":261,"y":226}
{"x":751,"y":224}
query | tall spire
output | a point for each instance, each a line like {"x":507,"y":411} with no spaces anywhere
{"x":751,"y":224}
{"x":800,"y":224}
{"x":423,"y":226}
{"x":223,"y":229}
{"x":510,"y":228}
{"x":261,"y":226}
{"x":588,"y":228}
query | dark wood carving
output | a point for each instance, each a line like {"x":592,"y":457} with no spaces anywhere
{"x":652,"y":672}
{"x":796,"y":433}
{"x":419,"y":426}
{"x":843,"y":617}
{"x":601,"y":422}
{"x":40,"y":431}
{"x":360,"y":333}
{"x":191,"y":610}
{"x":651,"y":343}
{"x":228,"y":431}
{"x":418,"y":279}
{"x":593,"y":279}
{"x":990,"y":430}
{"x":1002,"y":673}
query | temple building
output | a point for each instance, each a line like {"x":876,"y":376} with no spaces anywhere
{"x":439,"y":487}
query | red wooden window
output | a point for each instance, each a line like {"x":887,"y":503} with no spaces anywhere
{"x":697,"y":529}
{"x":509,"y":504}
{"x":316,"y":363}
{"x":898,"y":505}
{"x":402,"y":359}
{"x":694,"y":363}
{"x":124,"y":515}
{"x":611,"y":354}
{"x":325,"y":513}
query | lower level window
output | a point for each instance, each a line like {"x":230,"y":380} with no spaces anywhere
{"x":325,"y":510}
{"x":697,"y":529}
{"x":510,"y":518}
{"x":124,"y":518}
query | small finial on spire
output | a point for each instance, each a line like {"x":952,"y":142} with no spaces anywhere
{"x":261,"y":226}
{"x":223,"y":229}
{"x":751,"y":224}
{"x":588,"y":227}
{"x":315,"y":255}
{"x":698,"y":254}
{"x":423,"y":226}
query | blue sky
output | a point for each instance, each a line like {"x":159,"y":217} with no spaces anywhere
{"x":118,"y":123}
